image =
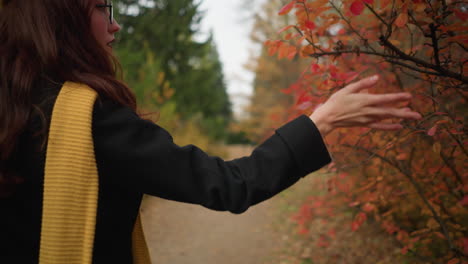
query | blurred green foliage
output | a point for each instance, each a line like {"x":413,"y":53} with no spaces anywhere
{"x":165,"y":64}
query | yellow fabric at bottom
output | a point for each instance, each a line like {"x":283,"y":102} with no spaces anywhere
{"x":71,"y":184}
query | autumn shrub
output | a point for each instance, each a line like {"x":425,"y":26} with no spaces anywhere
{"x":413,"y":181}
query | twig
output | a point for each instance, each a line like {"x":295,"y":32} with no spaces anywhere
{"x":349,"y":25}
{"x":435,"y":43}
{"x":423,"y":63}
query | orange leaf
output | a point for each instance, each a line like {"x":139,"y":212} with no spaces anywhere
{"x":384,"y":3}
{"x":285,"y":9}
{"x":401,"y":20}
{"x":274,"y":48}
{"x":300,"y":40}
{"x":283,"y":51}
{"x":285,"y":28}
{"x":292,"y":52}
{"x":307,"y":50}
{"x":419,"y":7}
{"x":288,"y":36}
{"x":402,"y":156}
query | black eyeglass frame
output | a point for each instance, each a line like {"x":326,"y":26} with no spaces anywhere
{"x":111,"y":10}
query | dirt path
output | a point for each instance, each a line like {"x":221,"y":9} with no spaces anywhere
{"x":180,"y":233}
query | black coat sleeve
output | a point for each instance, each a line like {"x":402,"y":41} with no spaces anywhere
{"x":140,"y":155}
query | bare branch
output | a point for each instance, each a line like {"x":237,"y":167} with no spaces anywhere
{"x":308,"y":41}
{"x":423,"y":63}
{"x":452,"y":167}
{"x":435,"y":43}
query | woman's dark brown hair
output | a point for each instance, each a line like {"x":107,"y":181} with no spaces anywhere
{"x":39,"y":39}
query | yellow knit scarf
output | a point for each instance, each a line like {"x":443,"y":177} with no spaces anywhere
{"x":71,"y":184}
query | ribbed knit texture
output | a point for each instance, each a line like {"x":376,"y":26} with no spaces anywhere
{"x":71,"y":184}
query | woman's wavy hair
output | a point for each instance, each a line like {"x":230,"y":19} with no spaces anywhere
{"x":42,"y":38}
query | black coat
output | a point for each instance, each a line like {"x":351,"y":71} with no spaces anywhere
{"x":136,"y":157}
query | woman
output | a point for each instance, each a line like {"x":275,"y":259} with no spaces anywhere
{"x":45,"y":43}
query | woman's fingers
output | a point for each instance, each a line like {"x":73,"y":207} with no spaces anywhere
{"x":381,"y":113}
{"x":362,"y":84}
{"x":350,"y":107}
{"x":390,"y":98}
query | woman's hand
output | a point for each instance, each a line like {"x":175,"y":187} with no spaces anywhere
{"x":350,"y":107}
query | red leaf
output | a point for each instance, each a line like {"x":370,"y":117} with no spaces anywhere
{"x":303,"y":98}
{"x":431,"y":132}
{"x":314,"y":68}
{"x":285,"y":28}
{"x":357,"y":7}
{"x":461,"y":15}
{"x":349,"y":76}
{"x":440,"y":235}
{"x":323,"y":242}
{"x":454,"y":261}
{"x":465,"y":245}
{"x":404,"y":250}
{"x":309,"y":24}
{"x":303,"y":231}
{"x":370,"y":2}
{"x":368,"y":208}
{"x":343,"y":175}
{"x":358,"y":221}
{"x":464,"y":202}
{"x":292,"y":88}
{"x":285,"y":9}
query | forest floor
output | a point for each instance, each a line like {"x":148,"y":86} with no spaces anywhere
{"x":180,"y":233}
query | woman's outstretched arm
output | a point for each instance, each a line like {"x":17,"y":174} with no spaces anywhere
{"x":138,"y":154}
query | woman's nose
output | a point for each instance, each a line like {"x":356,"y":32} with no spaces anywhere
{"x":114,"y":27}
